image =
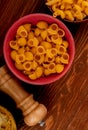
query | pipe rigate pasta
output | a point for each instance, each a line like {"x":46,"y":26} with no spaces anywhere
{"x":13,"y":44}
{"x":30,"y":35}
{"x":20,"y":58}
{"x":46,"y":72}
{"x":37,"y":32}
{"x":21,"y":50}
{"x":33,"y":42}
{"x":46,"y":45}
{"x":56,"y":39}
{"x":21,"y":41}
{"x":57,"y":60}
{"x":22,"y":32}
{"x":34,"y":65}
{"x":39,"y":71}
{"x":51,"y":52}
{"x":39,"y":58}
{"x":44,"y":34}
{"x":27,"y":65}
{"x":19,"y":66}
{"x":61,"y":49}
{"x":39,"y":39}
{"x":28,"y":56}
{"x":53,"y":29}
{"x":51,"y":68}
{"x":13,"y":54}
{"x":40,"y":50}
{"x":48,"y":59}
{"x":27,"y":27}
{"x":65,"y":44}
{"x":59,"y":68}
{"x":32,"y":76}
{"x":61,"y":32}
{"x":65,"y":58}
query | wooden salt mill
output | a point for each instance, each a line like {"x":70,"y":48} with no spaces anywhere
{"x":33,"y":111}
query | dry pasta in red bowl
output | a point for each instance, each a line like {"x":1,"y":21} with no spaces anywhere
{"x":40,"y":49}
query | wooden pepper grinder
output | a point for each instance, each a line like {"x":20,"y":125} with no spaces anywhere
{"x":33,"y":111}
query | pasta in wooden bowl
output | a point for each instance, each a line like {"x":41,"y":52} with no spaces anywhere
{"x":69,"y":10}
{"x":40,"y":49}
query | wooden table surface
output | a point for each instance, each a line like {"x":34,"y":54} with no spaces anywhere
{"x":66,"y":99}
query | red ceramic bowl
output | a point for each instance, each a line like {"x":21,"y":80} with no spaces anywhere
{"x":34,"y":18}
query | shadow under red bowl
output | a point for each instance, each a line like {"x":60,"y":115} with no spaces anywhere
{"x":33,"y":19}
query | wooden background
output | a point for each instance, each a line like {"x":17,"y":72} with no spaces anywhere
{"x":66,"y":99}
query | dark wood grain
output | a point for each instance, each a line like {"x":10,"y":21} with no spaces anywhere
{"x":65,"y":99}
